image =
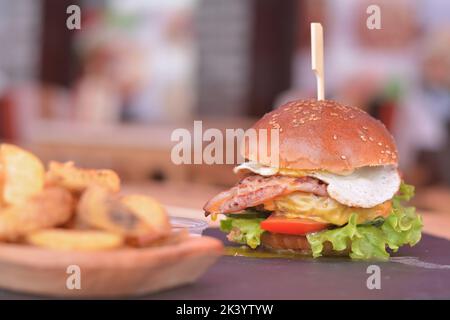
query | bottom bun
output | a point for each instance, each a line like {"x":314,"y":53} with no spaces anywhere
{"x":278,"y":241}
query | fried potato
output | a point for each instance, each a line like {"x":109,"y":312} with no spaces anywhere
{"x":75,"y":240}
{"x":75,"y":179}
{"x":131,"y":216}
{"x":21,"y":175}
{"x":50,"y":208}
{"x":147,"y":209}
{"x":172,"y":238}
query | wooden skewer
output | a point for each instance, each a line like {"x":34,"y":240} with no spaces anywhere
{"x":317,"y":58}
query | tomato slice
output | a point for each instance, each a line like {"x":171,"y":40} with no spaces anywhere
{"x":298,"y":226}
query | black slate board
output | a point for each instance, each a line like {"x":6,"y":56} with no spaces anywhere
{"x":325,"y":278}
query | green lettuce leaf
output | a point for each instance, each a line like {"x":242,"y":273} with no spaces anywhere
{"x":369,"y":241}
{"x":402,"y":227}
{"x":405,"y":193}
{"x":243,"y":230}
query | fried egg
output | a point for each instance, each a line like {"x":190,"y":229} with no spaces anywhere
{"x":365,"y":187}
{"x":256,"y":168}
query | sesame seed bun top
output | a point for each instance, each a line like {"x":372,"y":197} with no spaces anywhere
{"x":326,"y":135}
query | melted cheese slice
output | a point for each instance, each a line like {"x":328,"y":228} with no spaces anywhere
{"x":323,"y":209}
{"x":365,"y":187}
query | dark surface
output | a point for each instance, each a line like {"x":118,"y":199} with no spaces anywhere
{"x":325,"y":278}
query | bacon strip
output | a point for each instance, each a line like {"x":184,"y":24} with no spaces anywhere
{"x":255,"y":190}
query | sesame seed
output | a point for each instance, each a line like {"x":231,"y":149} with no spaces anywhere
{"x":380,"y":144}
{"x":370,"y":138}
{"x":363,"y":137}
{"x":334,"y":137}
{"x":365,"y":128}
{"x":343,"y":157}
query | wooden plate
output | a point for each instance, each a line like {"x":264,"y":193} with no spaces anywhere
{"x":116,"y":273}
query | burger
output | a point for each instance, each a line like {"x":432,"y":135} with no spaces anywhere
{"x":335,"y":189}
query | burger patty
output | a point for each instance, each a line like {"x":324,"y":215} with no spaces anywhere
{"x":254,"y":190}
{"x":284,"y":241}
{"x":277,"y":241}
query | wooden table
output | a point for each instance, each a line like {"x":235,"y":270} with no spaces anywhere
{"x":187,"y":200}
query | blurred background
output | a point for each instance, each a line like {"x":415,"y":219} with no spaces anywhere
{"x":110,"y":94}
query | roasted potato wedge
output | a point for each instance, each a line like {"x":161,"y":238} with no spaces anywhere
{"x":75,"y":240}
{"x":21,"y":175}
{"x":75,"y":179}
{"x":147,"y":210}
{"x":148,"y":241}
{"x":50,"y":208}
{"x":131,"y":216}
{"x":39,"y":207}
